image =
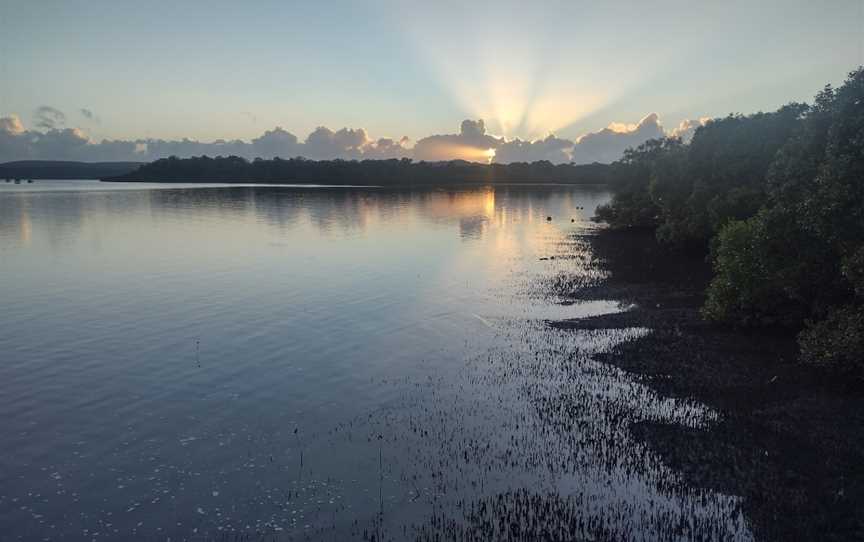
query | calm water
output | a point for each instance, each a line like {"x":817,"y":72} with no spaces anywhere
{"x":194,"y":362}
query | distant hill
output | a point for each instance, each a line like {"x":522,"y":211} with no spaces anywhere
{"x":51,"y":169}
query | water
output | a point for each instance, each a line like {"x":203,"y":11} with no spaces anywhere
{"x":206,"y":362}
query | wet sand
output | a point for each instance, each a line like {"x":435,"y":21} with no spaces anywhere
{"x":788,"y":438}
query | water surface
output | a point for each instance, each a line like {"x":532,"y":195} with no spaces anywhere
{"x":197,"y":361}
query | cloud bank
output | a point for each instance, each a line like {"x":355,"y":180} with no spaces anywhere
{"x":472,"y":143}
{"x":609,"y":144}
{"x":51,"y":139}
{"x":552,"y":149}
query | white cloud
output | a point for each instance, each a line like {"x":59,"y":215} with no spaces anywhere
{"x":11,"y":125}
{"x":687,"y":128}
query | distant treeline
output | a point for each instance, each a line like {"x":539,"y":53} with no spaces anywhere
{"x":777,"y":200}
{"x":366,"y":172}
{"x":51,"y":169}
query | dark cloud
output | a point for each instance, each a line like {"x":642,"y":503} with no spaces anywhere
{"x":471,"y":143}
{"x":90,"y":115}
{"x":111,"y":151}
{"x":324,"y":143}
{"x":16,"y":143}
{"x":474,"y":130}
{"x":609,"y":144}
{"x":553,"y":149}
{"x":64,"y":144}
{"x":386,"y":148}
{"x":276,"y":142}
{"x":152,"y":149}
{"x":48,"y":118}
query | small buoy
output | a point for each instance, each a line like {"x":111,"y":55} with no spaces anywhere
{"x":572,"y":220}
{"x":549,"y":219}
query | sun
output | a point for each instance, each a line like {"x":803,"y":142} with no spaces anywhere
{"x":490,"y":155}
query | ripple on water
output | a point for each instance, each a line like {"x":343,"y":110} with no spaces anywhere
{"x":483,"y":422}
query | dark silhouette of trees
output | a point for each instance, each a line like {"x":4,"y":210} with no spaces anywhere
{"x":56,"y":169}
{"x":778,"y":200}
{"x":393,"y":172}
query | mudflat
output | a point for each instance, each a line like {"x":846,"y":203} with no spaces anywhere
{"x":788,"y":437}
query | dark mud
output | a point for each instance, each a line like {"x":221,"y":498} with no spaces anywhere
{"x":788,"y":438}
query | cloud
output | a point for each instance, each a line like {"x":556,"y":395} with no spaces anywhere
{"x":152,"y":149}
{"x":471,"y":143}
{"x":552,"y":149}
{"x":65,"y":144}
{"x":90,"y":115}
{"x":609,"y":144}
{"x":386,"y":148}
{"x":323,"y":143}
{"x":687,"y":128}
{"x":110,"y":151}
{"x":48,"y":118}
{"x":11,"y":125}
{"x":14,"y":141}
{"x":276,"y":142}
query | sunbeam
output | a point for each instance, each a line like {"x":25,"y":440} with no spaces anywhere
{"x":523,"y":83}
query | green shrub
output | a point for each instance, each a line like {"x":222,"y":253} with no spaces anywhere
{"x":837,"y":342}
{"x":631,"y":210}
{"x":746,"y":289}
{"x":765,"y":269}
{"x":779,"y":199}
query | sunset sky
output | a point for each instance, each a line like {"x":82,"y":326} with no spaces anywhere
{"x":233,"y":70}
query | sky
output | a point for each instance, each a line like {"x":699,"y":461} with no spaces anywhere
{"x":133,"y":72}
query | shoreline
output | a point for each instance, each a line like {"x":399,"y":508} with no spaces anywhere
{"x":788,"y":440}
{"x":441,"y":184}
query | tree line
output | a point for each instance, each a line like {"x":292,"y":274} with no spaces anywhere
{"x":394,"y":172}
{"x":777,"y":202}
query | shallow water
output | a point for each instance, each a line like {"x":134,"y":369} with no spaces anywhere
{"x":201,"y":362}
